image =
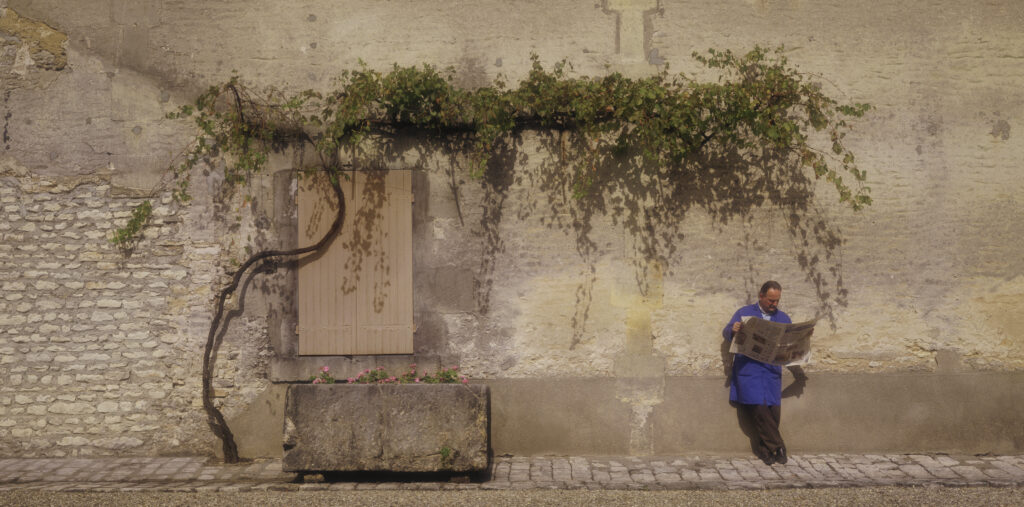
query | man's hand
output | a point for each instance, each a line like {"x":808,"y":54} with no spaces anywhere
{"x":736,"y":327}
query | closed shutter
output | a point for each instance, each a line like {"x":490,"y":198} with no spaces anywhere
{"x":356,"y":297}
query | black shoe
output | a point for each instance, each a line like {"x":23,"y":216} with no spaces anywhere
{"x":768,"y":459}
{"x":780,"y":456}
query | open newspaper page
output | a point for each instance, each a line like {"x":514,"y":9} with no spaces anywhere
{"x":772,"y":342}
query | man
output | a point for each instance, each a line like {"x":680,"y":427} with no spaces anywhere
{"x":755,"y":386}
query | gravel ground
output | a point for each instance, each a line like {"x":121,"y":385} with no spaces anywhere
{"x":946,"y":497}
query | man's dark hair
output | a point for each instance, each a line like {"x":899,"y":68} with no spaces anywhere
{"x":770,"y":284}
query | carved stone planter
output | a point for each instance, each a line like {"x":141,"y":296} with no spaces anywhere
{"x":389,"y":427}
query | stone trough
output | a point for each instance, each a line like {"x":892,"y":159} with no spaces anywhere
{"x":386,"y":427}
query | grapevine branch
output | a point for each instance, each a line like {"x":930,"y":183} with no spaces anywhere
{"x":214,"y":416}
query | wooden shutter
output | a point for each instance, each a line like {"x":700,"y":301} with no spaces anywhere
{"x":356,"y":297}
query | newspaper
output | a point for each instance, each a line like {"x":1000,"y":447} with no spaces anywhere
{"x":771,"y":342}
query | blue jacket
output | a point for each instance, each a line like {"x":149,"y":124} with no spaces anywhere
{"x":753,"y":382}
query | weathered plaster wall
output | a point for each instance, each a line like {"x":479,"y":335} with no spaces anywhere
{"x":925,"y":282}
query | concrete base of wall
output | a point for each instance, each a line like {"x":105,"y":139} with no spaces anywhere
{"x":259,"y":431}
{"x":963,"y":413}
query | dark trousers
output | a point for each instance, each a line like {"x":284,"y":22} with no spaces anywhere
{"x":765,"y":419}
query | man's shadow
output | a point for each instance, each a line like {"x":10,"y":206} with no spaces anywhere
{"x":795,"y":388}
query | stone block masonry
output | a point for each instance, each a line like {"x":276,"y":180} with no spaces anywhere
{"x":396,"y":428}
{"x":92,"y":360}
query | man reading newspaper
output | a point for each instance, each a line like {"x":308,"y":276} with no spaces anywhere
{"x":756,"y":385}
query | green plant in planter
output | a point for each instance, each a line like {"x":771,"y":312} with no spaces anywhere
{"x":324,"y":377}
{"x":380,"y":376}
{"x":447,"y":456}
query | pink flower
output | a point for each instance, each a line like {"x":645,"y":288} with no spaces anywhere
{"x":326,"y":369}
{"x":417,"y":380}
{"x":316,"y":380}
{"x":465,"y":380}
{"x":351,"y":380}
{"x":455,"y":368}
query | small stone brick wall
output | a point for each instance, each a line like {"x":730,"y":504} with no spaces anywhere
{"x":92,"y":358}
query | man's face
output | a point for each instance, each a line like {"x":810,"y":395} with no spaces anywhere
{"x":769,"y":301}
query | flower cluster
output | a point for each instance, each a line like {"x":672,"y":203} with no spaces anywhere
{"x":324,"y":377}
{"x":380,"y":376}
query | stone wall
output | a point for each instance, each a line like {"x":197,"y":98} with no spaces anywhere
{"x":101,"y":350}
{"x":100,"y":353}
{"x":92,"y":358}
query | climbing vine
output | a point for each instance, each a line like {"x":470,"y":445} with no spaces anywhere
{"x":125,"y":237}
{"x":759,"y":101}
{"x":653,"y":125}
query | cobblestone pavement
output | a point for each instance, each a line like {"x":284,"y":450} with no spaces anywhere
{"x":194,"y":474}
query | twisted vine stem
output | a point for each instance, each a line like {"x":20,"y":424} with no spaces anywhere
{"x":214,"y":416}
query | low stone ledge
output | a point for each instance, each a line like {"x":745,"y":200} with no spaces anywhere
{"x":396,"y":427}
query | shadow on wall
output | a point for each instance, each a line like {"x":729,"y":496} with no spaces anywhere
{"x":214,"y":416}
{"x":444,"y":156}
{"x":363,"y":232}
{"x":649,"y":201}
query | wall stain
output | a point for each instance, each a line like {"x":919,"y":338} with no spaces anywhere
{"x":1001,"y":130}
{"x":7,"y":121}
{"x":46,"y":45}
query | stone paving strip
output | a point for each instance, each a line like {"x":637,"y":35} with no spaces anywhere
{"x":195,"y":474}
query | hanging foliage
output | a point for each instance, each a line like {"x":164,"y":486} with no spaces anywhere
{"x":759,"y":101}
